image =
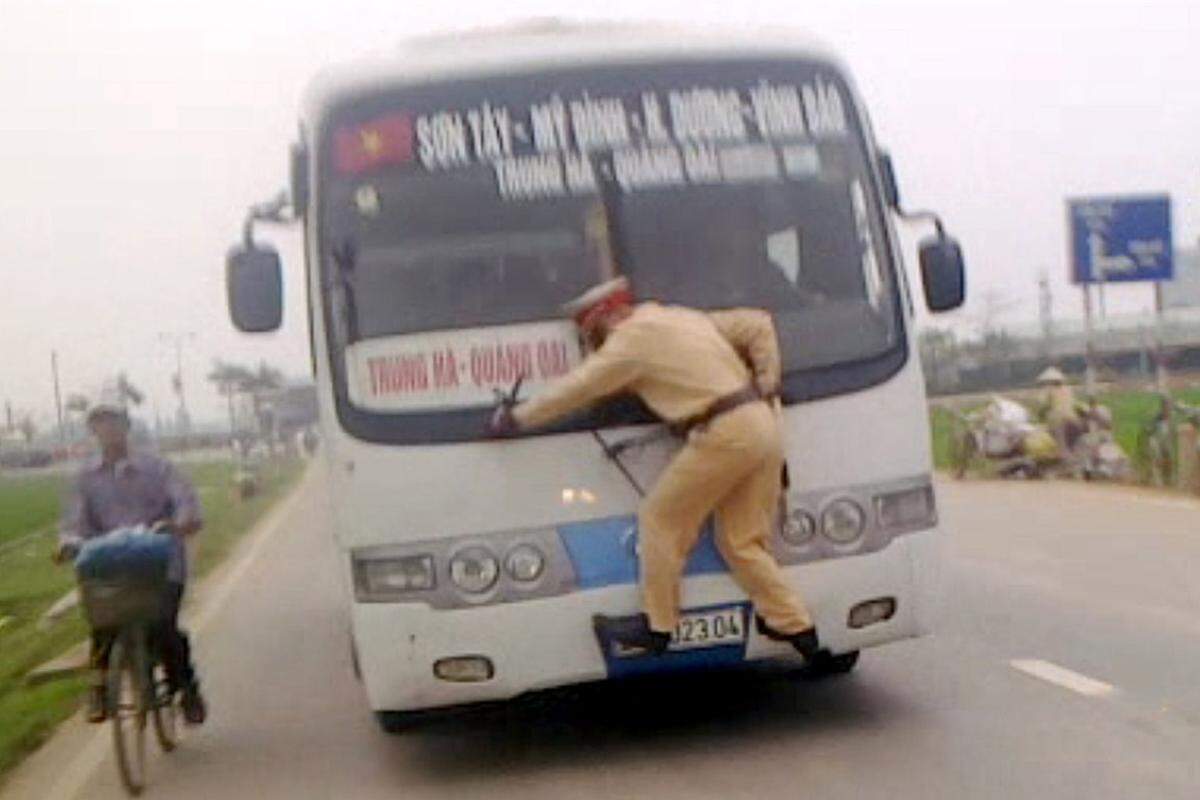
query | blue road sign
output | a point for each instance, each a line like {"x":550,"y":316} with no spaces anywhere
{"x":1120,"y":239}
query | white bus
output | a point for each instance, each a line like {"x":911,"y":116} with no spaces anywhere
{"x":444,"y":191}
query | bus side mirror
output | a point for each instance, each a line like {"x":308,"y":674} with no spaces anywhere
{"x":887,"y":172}
{"x":942,"y":273}
{"x":254,"y":284}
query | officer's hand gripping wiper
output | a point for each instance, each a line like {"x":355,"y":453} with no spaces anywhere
{"x":502,"y":423}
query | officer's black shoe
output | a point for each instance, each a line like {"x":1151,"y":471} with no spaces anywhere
{"x":632,"y":635}
{"x":194,"y":709}
{"x":805,"y":642}
{"x":97,"y":705}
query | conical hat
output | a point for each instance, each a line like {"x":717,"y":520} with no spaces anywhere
{"x":1052,"y":375}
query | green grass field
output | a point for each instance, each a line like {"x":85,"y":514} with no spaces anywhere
{"x":1132,"y":412}
{"x":30,"y":583}
{"x":28,"y":503}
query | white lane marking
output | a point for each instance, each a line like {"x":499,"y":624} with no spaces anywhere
{"x":1161,"y":499}
{"x":1110,"y":492}
{"x":78,"y":772}
{"x":1061,"y":676}
{"x":1166,"y":502}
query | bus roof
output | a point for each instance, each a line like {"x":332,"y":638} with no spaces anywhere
{"x":551,"y":43}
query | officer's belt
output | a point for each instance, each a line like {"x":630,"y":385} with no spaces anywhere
{"x":722,"y":405}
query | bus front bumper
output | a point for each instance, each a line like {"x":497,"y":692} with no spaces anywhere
{"x":545,"y":643}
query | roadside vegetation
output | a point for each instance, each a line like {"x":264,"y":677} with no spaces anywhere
{"x":30,"y":584}
{"x":30,"y":504}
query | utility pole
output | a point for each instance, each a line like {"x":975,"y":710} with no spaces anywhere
{"x":177,"y":339}
{"x":1089,"y":343}
{"x":1161,"y":378}
{"x":1046,"y":313}
{"x":57,"y":394}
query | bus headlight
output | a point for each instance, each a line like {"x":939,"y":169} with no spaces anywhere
{"x":474,"y":570}
{"x":798,"y":527}
{"x":524,"y":563}
{"x":911,"y":509}
{"x":381,"y":579}
{"x":843,"y":521}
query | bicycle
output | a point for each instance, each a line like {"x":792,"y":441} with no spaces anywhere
{"x":136,"y":685}
{"x":1158,"y":444}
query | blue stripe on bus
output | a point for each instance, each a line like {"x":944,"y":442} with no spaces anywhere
{"x":603,"y":553}
{"x":728,"y":655}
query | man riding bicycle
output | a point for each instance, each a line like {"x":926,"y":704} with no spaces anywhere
{"x":119,"y":489}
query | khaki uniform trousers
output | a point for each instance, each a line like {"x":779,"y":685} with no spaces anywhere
{"x":733,"y":467}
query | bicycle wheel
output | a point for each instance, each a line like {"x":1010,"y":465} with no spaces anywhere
{"x":128,"y":701}
{"x":164,"y":709}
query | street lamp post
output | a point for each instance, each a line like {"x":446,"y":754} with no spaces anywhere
{"x":58,"y":406}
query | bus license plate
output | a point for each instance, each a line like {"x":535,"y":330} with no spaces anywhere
{"x":709,"y":628}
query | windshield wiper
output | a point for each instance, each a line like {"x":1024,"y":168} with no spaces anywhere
{"x":610,"y":200}
{"x":614,"y":450}
{"x":345,"y":257}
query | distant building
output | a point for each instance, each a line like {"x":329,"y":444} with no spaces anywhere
{"x":1184,"y":291}
{"x":294,"y":408}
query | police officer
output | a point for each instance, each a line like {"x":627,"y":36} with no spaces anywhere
{"x":712,"y":376}
{"x":120,"y":488}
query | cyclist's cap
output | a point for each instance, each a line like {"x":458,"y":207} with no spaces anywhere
{"x":105,"y":409}
{"x":599,"y":300}
{"x":108,"y":403}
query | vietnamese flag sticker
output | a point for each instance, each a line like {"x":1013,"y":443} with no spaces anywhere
{"x":384,"y":140}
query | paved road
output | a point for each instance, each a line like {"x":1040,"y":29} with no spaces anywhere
{"x":1095,"y":593}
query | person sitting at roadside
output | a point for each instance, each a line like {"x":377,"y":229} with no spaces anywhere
{"x":1060,"y":410}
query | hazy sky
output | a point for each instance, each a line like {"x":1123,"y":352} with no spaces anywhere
{"x":133,"y":135}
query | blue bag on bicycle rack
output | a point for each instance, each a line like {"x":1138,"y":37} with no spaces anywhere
{"x":125,"y":554}
{"x":123,"y":576}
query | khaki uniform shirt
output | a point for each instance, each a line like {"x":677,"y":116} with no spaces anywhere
{"x":677,"y":360}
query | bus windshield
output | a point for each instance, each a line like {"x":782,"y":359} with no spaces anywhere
{"x":464,"y":207}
